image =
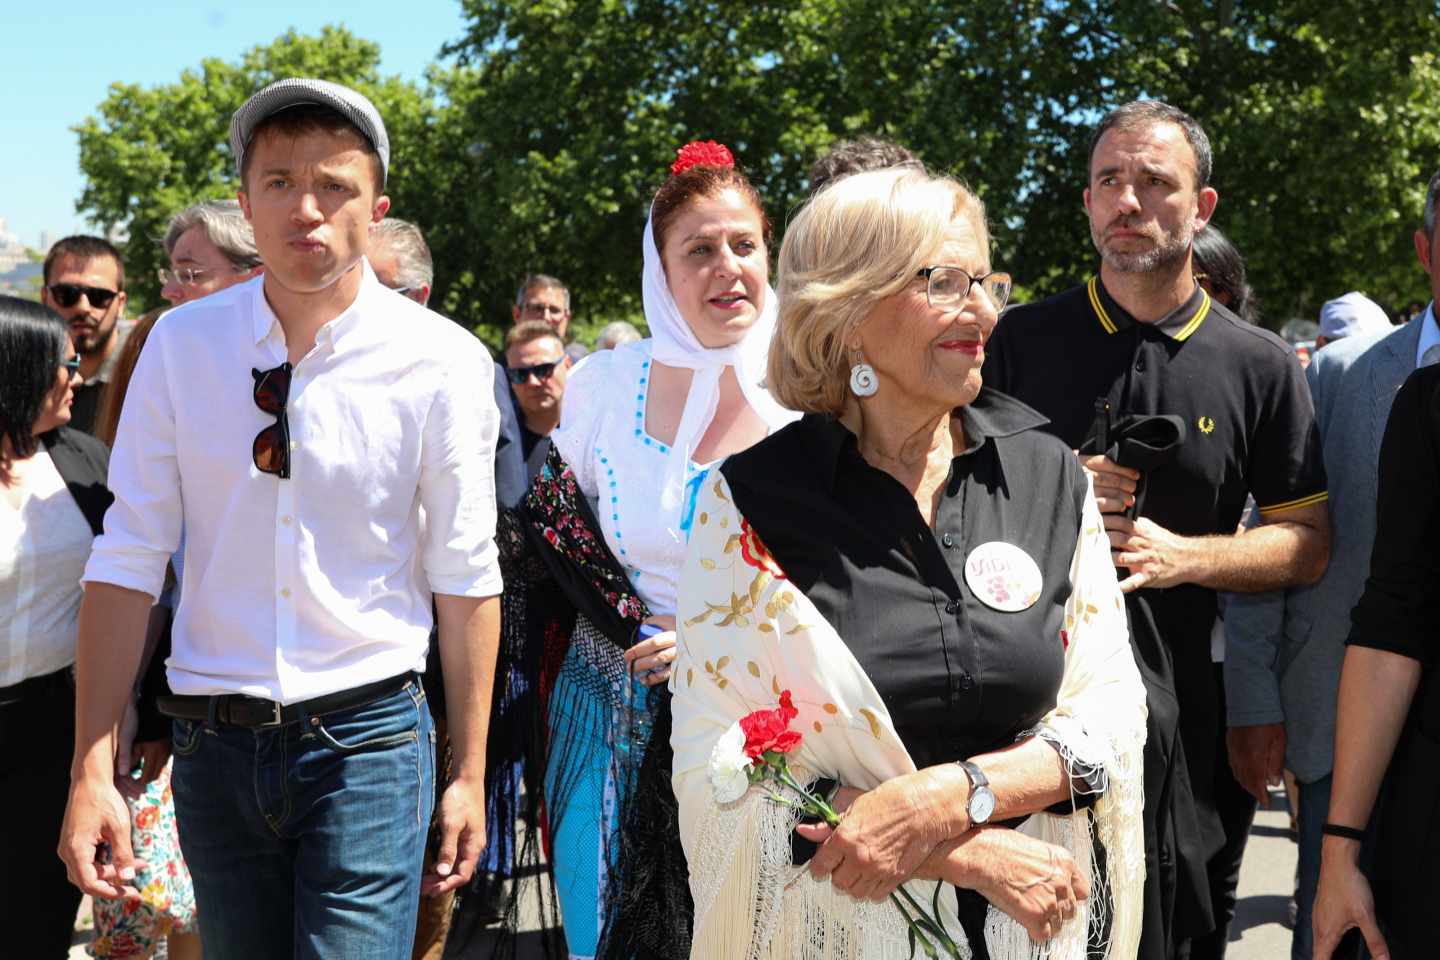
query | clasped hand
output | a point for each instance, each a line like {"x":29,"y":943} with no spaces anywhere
{"x":905,"y":829}
{"x":650,"y":659}
{"x":883,"y":837}
{"x":1153,"y":555}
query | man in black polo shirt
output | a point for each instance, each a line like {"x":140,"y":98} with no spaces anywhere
{"x":1143,"y":338}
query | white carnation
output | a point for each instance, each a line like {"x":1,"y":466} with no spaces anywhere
{"x":729,"y":767}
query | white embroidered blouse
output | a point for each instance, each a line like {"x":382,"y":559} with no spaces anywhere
{"x":620,"y":469}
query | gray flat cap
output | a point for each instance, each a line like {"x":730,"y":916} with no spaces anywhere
{"x":295,"y":91}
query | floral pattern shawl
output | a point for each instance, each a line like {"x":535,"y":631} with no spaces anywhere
{"x":746,"y":633}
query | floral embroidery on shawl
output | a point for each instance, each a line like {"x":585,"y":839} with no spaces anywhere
{"x":745,"y":631}
{"x":553,"y":506}
{"x":753,"y":549}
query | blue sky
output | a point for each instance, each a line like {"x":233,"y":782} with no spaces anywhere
{"x":57,"y":62}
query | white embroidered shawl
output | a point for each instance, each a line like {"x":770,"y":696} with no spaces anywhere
{"x":746,"y":633}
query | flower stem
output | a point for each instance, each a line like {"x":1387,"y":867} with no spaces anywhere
{"x":927,"y":930}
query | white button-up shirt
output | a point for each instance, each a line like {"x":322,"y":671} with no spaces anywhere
{"x":321,"y":582}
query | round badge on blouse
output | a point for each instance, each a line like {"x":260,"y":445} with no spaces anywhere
{"x":1003,"y":576}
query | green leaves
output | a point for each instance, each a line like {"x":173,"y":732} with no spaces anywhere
{"x":539,"y":147}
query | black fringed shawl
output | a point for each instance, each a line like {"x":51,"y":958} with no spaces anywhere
{"x":564,"y":587}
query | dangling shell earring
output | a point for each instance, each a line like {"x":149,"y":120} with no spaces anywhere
{"x":863,"y":382}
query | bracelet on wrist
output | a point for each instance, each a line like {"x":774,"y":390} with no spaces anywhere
{"x":1340,"y":830}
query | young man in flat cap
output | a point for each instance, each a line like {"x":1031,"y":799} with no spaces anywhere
{"x":295,"y":426}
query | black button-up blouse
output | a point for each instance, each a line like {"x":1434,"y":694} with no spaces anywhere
{"x":959,"y":677}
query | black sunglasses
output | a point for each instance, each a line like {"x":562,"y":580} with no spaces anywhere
{"x":271,"y":449}
{"x":68,"y":294}
{"x":542,"y":371}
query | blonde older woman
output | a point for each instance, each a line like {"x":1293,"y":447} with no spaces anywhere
{"x":928,"y":575}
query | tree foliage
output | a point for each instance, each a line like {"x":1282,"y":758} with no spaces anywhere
{"x":151,"y":152}
{"x":1322,"y":117}
{"x":539,"y":147}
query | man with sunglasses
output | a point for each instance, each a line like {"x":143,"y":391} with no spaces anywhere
{"x":299,"y":425}
{"x":537,"y":367}
{"x":85,"y":284}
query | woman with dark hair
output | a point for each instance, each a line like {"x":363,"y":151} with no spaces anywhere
{"x":605,"y":528}
{"x":1220,"y":269}
{"x":52,"y":501}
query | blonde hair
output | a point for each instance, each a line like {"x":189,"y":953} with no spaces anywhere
{"x":861,"y":239}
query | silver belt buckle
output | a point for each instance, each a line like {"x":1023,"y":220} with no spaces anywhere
{"x":274,"y":720}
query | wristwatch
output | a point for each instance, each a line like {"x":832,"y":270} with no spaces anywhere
{"x":982,"y":799}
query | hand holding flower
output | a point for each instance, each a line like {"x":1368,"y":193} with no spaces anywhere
{"x":888,"y":832}
{"x":753,"y":752}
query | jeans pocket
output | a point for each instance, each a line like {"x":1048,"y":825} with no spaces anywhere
{"x":185,"y":737}
{"x":374,"y":726}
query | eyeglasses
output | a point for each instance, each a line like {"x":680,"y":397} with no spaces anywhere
{"x":68,"y":294}
{"x":534,"y":309}
{"x":185,"y":276}
{"x":542,"y":371}
{"x":950,"y":286}
{"x":71,"y":367}
{"x":271,"y":449}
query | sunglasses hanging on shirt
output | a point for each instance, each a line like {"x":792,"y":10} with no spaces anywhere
{"x":271,"y":449}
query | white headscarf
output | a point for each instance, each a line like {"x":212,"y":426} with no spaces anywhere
{"x":677,"y":346}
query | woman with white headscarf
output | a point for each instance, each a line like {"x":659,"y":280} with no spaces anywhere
{"x":590,"y":627}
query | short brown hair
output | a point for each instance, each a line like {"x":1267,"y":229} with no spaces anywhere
{"x":1144,"y":114}
{"x":311,"y":118}
{"x":676,"y":193}
{"x":83,"y":247}
{"x":530,"y":330}
{"x":848,"y":157}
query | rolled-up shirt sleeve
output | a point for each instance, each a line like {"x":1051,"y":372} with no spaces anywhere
{"x":142,"y":527}
{"x":1400,"y":606}
{"x":457,"y":479}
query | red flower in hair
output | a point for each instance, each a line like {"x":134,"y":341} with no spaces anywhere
{"x":701,"y":153}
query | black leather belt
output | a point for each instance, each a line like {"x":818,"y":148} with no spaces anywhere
{"x":239,"y":710}
{"x":32,"y":687}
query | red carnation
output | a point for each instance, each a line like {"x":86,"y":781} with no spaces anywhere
{"x":701,"y":153}
{"x":768,"y":731}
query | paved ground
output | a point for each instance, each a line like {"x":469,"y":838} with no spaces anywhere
{"x":1261,"y":930}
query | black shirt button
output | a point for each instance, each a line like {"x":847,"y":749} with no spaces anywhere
{"x":952,"y":607}
{"x":948,"y":541}
{"x":1140,"y":362}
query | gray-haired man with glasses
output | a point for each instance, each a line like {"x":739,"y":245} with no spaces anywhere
{"x":211,"y":246}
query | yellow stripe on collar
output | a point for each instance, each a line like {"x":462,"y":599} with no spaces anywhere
{"x":1314,"y":498}
{"x":1105,"y":322}
{"x":1199,"y":318}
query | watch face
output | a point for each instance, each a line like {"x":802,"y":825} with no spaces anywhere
{"x":982,"y":804}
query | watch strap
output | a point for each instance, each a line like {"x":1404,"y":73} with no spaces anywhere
{"x":973,"y":771}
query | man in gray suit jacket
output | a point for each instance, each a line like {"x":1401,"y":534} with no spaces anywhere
{"x":1284,"y":649}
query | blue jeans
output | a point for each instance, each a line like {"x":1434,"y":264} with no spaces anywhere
{"x":306,"y":840}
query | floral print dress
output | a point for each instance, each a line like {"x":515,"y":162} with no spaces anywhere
{"x":128,"y":928}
